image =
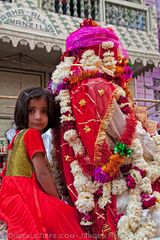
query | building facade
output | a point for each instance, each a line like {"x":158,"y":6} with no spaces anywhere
{"x":147,"y":84}
{"x":32,"y":38}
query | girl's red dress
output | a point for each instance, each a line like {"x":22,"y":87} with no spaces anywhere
{"x":28,"y":211}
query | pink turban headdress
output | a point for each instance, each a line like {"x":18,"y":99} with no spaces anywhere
{"x":91,"y":34}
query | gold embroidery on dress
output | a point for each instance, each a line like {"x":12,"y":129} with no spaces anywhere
{"x":18,"y":161}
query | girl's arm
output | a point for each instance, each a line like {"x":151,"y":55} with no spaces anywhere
{"x":2,"y":174}
{"x":43,"y":175}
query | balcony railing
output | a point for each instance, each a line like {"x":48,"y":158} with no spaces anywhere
{"x":128,"y":14}
{"x":77,"y":8}
{"x":125,"y":16}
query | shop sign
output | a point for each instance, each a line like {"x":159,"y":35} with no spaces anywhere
{"x":3,"y":145}
{"x":27,"y":18}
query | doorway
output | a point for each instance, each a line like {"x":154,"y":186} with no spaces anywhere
{"x":12,"y":82}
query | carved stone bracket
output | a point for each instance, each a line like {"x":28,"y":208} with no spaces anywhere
{"x":145,"y":58}
{"x":31,"y":39}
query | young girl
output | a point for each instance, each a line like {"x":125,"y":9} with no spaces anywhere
{"x":29,"y":201}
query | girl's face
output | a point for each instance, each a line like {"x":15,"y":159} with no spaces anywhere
{"x":38,"y":114}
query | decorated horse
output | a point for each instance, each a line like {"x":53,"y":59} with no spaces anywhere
{"x":111,"y":163}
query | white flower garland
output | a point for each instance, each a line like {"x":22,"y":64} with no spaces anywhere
{"x":90,"y":61}
{"x":135,"y":224}
{"x":119,"y":186}
{"x":146,"y":230}
{"x":74,"y":141}
{"x":84,"y":187}
{"x":62,"y":70}
{"x":105,"y":199}
{"x":108,"y":44}
{"x":83,"y":184}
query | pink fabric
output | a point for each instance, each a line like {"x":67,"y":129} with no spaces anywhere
{"x":92,"y":36}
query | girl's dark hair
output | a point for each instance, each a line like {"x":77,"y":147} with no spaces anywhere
{"x":21,"y":109}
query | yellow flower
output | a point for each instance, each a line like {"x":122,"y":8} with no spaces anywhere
{"x":87,"y":129}
{"x":101,"y":92}
{"x":68,"y":158}
{"x":82,"y":102}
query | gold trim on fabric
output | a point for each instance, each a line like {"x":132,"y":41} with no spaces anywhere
{"x":74,"y":106}
{"x":69,"y":188}
{"x":106,"y":230}
{"x":100,"y":215}
{"x":113,"y":235}
{"x":18,"y":161}
{"x":101,"y":137}
{"x":90,"y":120}
{"x":63,"y":144}
{"x":129,"y":95}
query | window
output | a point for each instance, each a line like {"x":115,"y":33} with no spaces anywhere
{"x":134,"y":1}
{"x":157,"y":93}
{"x":6,"y":1}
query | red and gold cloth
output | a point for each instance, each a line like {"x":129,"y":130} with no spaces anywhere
{"x":92,"y":105}
{"x":27,"y":210}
